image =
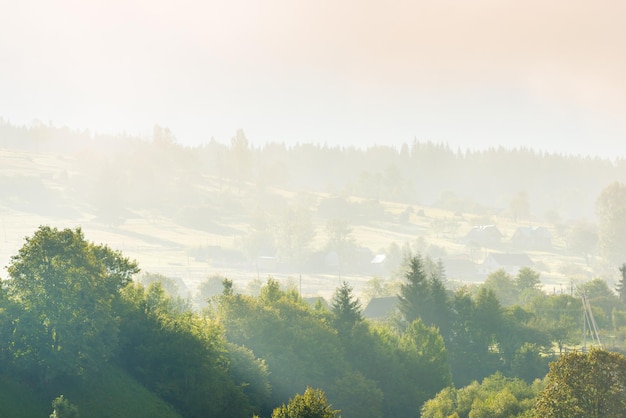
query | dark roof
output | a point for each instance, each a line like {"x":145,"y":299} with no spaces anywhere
{"x":380,"y":308}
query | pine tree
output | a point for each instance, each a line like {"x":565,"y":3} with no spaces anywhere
{"x":346,"y":308}
{"x":414,"y":293}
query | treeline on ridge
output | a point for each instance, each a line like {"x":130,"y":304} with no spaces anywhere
{"x":123,"y":172}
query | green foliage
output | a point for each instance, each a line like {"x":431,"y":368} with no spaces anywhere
{"x":487,"y":337}
{"x":496,"y":397}
{"x":346,"y":309}
{"x":251,"y":376}
{"x":503,"y":286}
{"x":602,"y":300}
{"x":312,"y":404}
{"x":408,"y":368}
{"x":183,"y":358}
{"x":611,"y":212}
{"x":589,"y":385}
{"x":559,"y":316}
{"x":520,"y":344}
{"x":527,"y":279}
{"x":18,"y":399}
{"x":62,"y":408}
{"x":110,"y":393}
{"x":395,"y":372}
{"x":299,"y":346}
{"x":424,"y":297}
{"x":427,"y":344}
{"x":529,"y":363}
{"x":358,"y":396}
{"x":514,"y":290}
{"x":65,"y":287}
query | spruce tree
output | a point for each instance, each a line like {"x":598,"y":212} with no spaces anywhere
{"x":346,"y":308}
{"x":414,"y":293}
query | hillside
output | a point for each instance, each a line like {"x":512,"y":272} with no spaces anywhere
{"x":112,"y":394}
{"x":192,"y":213}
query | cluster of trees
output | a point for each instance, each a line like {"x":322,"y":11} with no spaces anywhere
{"x":367,"y":370}
{"x":70,"y":310}
{"x":578,"y":384}
{"x":417,"y":171}
{"x":482,"y":336}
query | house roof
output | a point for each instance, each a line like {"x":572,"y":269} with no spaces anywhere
{"x":380,"y":308}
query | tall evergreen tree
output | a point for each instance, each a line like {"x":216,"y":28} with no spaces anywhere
{"x":346,"y":308}
{"x":414,"y":292}
{"x":425,"y":297}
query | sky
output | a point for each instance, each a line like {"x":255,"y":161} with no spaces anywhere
{"x":543,"y":74}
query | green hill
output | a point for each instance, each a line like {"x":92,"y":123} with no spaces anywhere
{"x":112,"y":394}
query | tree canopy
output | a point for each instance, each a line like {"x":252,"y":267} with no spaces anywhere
{"x":589,"y":385}
{"x":312,"y":404}
{"x":346,"y":308}
{"x":66,"y":286}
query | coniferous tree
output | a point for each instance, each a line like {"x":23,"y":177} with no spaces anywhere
{"x":346,"y":308}
{"x":414,"y":293}
{"x":425,"y":297}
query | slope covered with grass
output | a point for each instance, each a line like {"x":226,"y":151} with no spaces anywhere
{"x":112,"y":394}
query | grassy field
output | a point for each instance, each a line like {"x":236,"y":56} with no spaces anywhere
{"x":113,"y":394}
{"x":162,"y":245}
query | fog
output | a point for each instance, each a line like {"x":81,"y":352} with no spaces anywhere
{"x":544,"y":75}
{"x":308,"y":215}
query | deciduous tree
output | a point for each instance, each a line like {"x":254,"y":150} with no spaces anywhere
{"x":611,"y":212}
{"x":585,"y":385}
{"x":67,"y":286}
{"x":62,"y":408}
{"x":312,"y":404}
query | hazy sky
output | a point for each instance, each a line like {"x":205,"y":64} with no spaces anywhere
{"x":545,"y":74}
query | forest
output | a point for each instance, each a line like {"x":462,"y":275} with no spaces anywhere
{"x":76,"y":326}
{"x":91,"y":330}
